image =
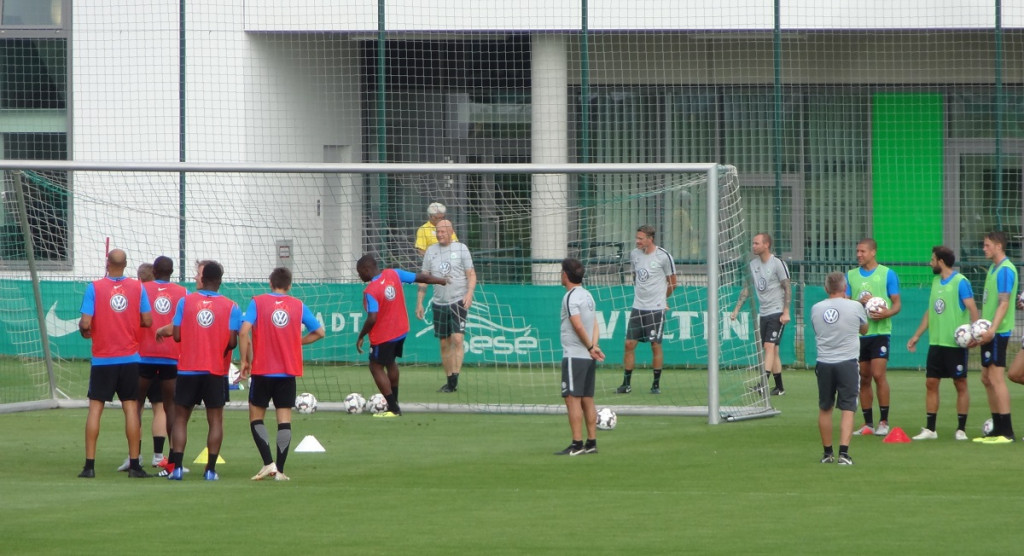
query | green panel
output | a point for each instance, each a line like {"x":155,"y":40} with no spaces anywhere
{"x":506,"y":324}
{"x":907,"y":178}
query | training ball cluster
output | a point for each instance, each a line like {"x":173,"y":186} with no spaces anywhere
{"x":606,"y":419}
{"x":376,"y":403}
{"x":305,"y":403}
{"x":979,"y":327}
{"x":876,"y":305}
{"x":963,"y":335}
{"x":353,"y":403}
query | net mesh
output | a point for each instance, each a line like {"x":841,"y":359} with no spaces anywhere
{"x":253,"y":222}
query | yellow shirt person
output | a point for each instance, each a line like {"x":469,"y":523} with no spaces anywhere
{"x":426,"y":235}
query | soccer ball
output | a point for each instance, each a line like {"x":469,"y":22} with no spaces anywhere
{"x":305,"y":403}
{"x":986,"y":427}
{"x":979,"y":327}
{"x":963,"y":335}
{"x":377,"y":403}
{"x":876,"y":305}
{"x":606,"y":419}
{"x":353,"y":403}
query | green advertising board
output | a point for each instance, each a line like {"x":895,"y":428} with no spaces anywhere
{"x":507,"y":325}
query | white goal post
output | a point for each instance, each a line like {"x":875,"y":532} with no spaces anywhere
{"x":551,"y":211}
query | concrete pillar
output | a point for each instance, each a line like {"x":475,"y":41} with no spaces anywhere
{"x":550,"y":144}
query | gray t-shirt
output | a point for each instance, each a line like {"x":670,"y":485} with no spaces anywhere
{"x":767,"y":278}
{"x":836,"y":322}
{"x":576,"y":301}
{"x":650,"y":278}
{"x":450,"y":262}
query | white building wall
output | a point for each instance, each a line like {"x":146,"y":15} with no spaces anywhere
{"x":606,"y":15}
{"x":250,"y":98}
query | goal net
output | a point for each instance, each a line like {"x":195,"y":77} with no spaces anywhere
{"x":518,"y":221}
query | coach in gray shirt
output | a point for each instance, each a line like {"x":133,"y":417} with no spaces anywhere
{"x":838,"y":323}
{"x":450,"y":307}
{"x":654,"y":279}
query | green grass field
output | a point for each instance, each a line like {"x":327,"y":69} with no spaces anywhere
{"x":473,"y":484}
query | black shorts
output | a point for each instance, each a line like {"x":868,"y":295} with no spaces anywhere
{"x":121,"y":379}
{"x":578,"y":376}
{"x":386,"y":353}
{"x":645,"y":325}
{"x":838,"y":385}
{"x":158,"y":371}
{"x":874,"y":347}
{"x":946,"y":362}
{"x":994,"y":352}
{"x":771,"y":328}
{"x":279,"y":389}
{"x":449,"y":319}
{"x":155,"y":394}
{"x":208,"y":389}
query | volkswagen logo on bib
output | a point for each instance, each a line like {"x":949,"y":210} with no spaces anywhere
{"x":204,"y":318}
{"x":118,"y":303}
{"x":162,"y":305}
{"x":389,"y":293}
{"x":280,"y":318}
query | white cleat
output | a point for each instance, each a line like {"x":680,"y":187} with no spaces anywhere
{"x":926,"y":434}
{"x":882,"y":429}
{"x":864,"y":431}
{"x":125,"y":465}
{"x":960,"y":435}
{"x":268,"y":470}
{"x":281,"y":477}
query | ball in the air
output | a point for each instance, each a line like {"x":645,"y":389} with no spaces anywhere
{"x":353,"y":403}
{"x":305,"y":403}
{"x":962,"y":335}
{"x":606,"y":419}
{"x":876,"y":305}
{"x":979,"y":327}
{"x":376,"y":403}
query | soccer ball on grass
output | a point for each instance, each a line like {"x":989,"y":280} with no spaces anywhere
{"x":353,"y":403}
{"x":979,"y":327}
{"x":986,"y":427}
{"x":606,"y":419}
{"x":962,"y":335}
{"x":305,"y":403}
{"x":376,"y":403}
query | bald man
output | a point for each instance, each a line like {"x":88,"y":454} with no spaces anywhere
{"x":114,"y":308}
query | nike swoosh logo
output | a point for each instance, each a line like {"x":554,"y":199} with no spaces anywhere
{"x":56,"y":326}
{"x":160,"y":289}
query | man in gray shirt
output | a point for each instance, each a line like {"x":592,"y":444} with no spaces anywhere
{"x":580,"y":353}
{"x":770,"y":278}
{"x":449,"y":259}
{"x":838,"y":323}
{"x":654,"y":278}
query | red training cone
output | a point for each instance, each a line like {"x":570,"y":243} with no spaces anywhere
{"x":896,"y":436}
